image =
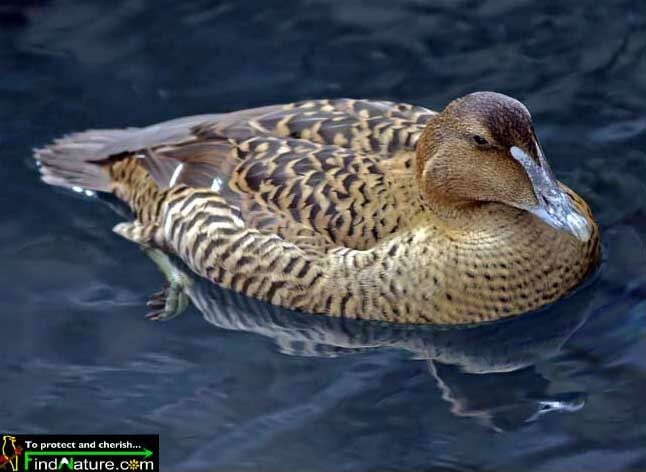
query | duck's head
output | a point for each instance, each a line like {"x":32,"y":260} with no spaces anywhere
{"x":483,"y":148}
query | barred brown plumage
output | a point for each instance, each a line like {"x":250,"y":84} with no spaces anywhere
{"x":358,"y":208}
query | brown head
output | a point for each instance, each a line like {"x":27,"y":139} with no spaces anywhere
{"x":483,"y":148}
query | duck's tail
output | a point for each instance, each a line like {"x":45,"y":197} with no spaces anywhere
{"x":76,"y":160}
{"x":79,"y":161}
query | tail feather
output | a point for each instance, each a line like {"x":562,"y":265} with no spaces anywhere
{"x":74,"y":160}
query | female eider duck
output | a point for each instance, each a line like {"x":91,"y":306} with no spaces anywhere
{"x":358,"y":208}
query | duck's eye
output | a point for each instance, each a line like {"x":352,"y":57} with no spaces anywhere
{"x":479,"y":140}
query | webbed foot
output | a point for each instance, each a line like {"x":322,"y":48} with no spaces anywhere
{"x":168,"y":303}
{"x":172,"y":300}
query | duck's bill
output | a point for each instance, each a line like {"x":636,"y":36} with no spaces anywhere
{"x":554,"y":206}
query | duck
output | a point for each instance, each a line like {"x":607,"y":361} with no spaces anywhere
{"x":356,"y":208}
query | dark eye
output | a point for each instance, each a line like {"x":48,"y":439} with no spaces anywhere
{"x":479,"y":140}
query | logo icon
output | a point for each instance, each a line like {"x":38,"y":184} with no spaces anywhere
{"x":10,"y":453}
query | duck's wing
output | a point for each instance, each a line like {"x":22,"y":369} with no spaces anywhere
{"x":338,"y":172}
{"x":290,"y":186}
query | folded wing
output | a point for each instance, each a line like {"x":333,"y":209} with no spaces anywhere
{"x":338,"y":171}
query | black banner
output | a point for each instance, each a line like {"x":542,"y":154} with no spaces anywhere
{"x":79,"y":452}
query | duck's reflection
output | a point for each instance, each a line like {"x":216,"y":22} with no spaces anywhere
{"x":485,"y":372}
{"x":502,"y":401}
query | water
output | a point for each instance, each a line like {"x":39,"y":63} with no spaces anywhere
{"x":246,"y":388}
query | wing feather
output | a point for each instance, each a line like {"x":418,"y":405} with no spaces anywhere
{"x":335,"y":172}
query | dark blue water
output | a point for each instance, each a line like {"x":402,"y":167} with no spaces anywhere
{"x":238,"y":386}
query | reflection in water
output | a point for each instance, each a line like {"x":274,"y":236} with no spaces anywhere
{"x":512,"y":399}
{"x":496,"y":358}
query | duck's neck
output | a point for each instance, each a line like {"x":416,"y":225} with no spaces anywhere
{"x":469,"y":217}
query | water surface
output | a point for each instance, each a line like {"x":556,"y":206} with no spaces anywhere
{"x":239,"y":387}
